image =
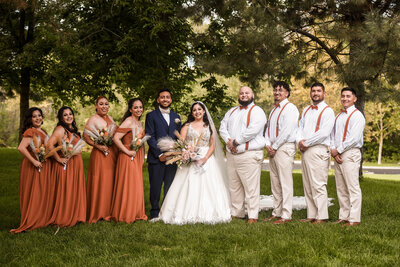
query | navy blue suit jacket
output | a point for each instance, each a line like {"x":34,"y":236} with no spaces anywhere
{"x":157,"y":127}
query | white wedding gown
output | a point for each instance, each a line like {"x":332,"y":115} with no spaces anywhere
{"x":197,"y":194}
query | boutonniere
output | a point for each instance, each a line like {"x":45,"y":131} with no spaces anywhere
{"x":177,"y":120}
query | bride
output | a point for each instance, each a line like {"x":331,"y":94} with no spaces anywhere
{"x":199,"y":192}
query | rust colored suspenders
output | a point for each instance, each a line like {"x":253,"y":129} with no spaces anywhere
{"x":277,"y":121}
{"x":247,"y":123}
{"x":347,"y":125}
{"x":319,"y":117}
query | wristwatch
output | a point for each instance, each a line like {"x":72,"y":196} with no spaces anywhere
{"x":235,"y":143}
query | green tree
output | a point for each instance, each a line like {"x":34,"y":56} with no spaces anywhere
{"x":39,"y":54}
{"x":71,"y":50}
{"x":216,"y":99}
{"x":357,"y":41}
{"x":382,"y":122}
{"x":142,"y":43}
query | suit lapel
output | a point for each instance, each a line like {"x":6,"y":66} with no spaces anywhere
{"x":172,"y":127}
{"x":161,"y":117}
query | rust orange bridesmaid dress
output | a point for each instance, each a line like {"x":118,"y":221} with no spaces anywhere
{"x":100,"y":183}
{"x":35,"y":191}
{"x":128,"y":198}
{"x":70,"y":194}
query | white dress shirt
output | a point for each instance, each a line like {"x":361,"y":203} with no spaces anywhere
{"x":308,"y":123}
{"x":233,"y":126}
{"x":354,"y":135}
{"x":165,"y":114}
{"x":287,"y":125}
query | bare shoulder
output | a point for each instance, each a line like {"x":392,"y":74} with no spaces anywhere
{"x":126,"y":123}
{"x":185,"y":126}
{"x":91,"y":120}
{"x":59,"y":131}
{"x":111,"y":118}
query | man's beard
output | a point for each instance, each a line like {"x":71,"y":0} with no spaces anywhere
{"x":164,"y":107}
{"x":316,"y":102}
{"x":246,"y":103}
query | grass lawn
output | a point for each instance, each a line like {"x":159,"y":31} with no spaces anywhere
{"x":375,"y":242}
{"x":388,"y":177}
{"x":381,"y":165}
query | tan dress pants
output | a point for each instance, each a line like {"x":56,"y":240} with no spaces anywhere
{"x":281,"y":167}
{"x":244,"y":172}
{"x":315,"y":167}
{"x":348,"y":186}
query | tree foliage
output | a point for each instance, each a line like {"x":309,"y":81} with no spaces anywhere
{"x":355,"y":41}
{"x":73,"y":50}
{"x":382,"y":122}
{"x":216,"y":99}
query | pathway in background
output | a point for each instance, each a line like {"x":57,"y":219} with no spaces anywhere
{"x":366,"y":169}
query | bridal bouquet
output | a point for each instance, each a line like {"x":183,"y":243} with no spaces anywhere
{"x":39,"y":148}
{"x":138,"y":139}
{"x":69,"y":150}
{"x":179,"y":151}
{"x":101,"y":136}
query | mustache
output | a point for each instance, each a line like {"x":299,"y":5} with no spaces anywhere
{"x":246,"y":103}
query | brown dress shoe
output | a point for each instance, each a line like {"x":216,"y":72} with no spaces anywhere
{"x":251,"y":221}
{"x":318,"y":221}
{"x":270,"y":218}
{"x":282,"y":221}
{"x":306,"y":220}
{"x":340,"y":221}
{"x":351,"y":224}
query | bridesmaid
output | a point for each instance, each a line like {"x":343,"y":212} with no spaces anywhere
{"x":128,"y":197}
{"x":34,"y":186}
{"x":70,"y":205}
{"x":100,"y":179}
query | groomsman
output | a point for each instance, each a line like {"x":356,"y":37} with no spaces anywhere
{"x":313,"y":137}
{"x":160,"y":122}
{"x":346,"y":144}
{"x":280,"y":137}
{"x":242,"y":130}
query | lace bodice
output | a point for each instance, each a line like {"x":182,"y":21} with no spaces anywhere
{"x":193,"y":136}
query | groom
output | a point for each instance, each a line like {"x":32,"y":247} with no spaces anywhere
{"x":160,"y":122}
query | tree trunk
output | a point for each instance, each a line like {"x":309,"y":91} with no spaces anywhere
{"x":380,"y":141}
{"x":24,"y":97}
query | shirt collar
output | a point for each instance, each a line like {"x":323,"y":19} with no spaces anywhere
{"x":283,"y":102}
{"x":351,"y":108}
{"x":162,"y":109}
{"x":321,"y":104}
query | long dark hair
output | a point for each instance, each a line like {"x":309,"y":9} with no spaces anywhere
{"x":28,"y":118}
{"x":128,"y":113}
{"x":190,"y":117}
{"x":63,"y":124}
